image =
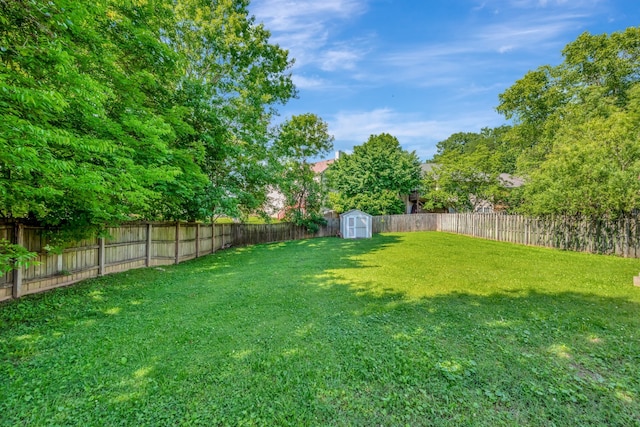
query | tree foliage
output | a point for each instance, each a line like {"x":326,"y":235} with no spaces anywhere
{"x":113,"y":110}
{"x":298,"y":139}
{"x":594,"y":167}
{"x":14,"y":256}
{"x":491,"y":140}
{"x":117,"y":110}
{"x":576,"y":125}
{"x":374,"y":177}
{"x":467,"y":171}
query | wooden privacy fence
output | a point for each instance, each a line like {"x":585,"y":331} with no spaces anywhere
{"x":402,"y":223}
{"x":596,"y":235}
{"x":152,"y":244}
{"x":131,"y":246}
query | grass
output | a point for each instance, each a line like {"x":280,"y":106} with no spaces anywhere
{"x":402,"y":329}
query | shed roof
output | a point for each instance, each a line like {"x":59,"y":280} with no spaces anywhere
{"x":354,"y":211}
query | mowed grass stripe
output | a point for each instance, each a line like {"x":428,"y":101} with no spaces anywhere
{"x":406,"y":328}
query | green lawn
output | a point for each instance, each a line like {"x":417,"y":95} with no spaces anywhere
{"x":402,"y":329}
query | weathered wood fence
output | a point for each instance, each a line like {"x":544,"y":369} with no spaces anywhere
{"x":595,"y":235}
{"x":132,"y":246}
{"x":152,"y":244}
{"x":618,"y":237}
{"x":402,"y":223}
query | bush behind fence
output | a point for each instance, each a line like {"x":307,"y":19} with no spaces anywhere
{"x":137,"y":245}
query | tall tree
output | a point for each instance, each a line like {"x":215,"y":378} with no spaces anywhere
{"x":113,"y":110}
{"x":298,"y":139}
{"x":575,"y":124}
{"x":117,"y":109}
{"x":83,"y":139}
{"x":594,"y":167}
{"x":375,"y":177}
{"x":233,"y":80}
{"x":468,"y":170}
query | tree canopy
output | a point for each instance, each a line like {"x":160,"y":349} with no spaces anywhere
{"x":467,"y":170}
{"x":114,"y":110}
{"x":374,"y":177}
{"x":578,"y":129}
{"x":574,"y":137}
{"x":297,"y":140}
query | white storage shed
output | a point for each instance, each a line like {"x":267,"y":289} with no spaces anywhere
{"x":355,"y":224}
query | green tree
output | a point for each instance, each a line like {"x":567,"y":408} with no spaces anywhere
{"x":118,"y":110}
{"x":375,"y":177}
{"x":82,"y":138}
{"x":575,"y":127}
{"x":493,"y":140}
{"x":233,"y":80}
{"x":594,"y":166}
{"x":298,"y":139}
{"x":468,"y":171}
{"x":12,"y":256}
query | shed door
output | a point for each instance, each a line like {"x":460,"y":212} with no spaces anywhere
{"x":361,"y":227}
{"x":351,"y":227}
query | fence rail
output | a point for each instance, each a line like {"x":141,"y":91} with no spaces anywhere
{"x":153,"y":244}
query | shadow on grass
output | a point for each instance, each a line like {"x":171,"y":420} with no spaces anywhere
{"x":272,"y":335}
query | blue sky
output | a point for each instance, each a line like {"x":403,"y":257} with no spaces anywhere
{"x":422,"y":70}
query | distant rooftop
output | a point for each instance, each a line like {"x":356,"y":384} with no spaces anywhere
{"x":427,"y":167}
{"x":320,"y":167}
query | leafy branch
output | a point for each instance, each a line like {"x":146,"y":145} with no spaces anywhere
{"x":14,"y":256}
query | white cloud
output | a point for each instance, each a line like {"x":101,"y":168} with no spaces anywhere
{"x":342,"y":58}
{"x":525,"y":34}
{"x":454,"y":72}
{"x":536,"y":4}
{"x":471,"y":53}
{"x":514,"y":34}
{"x":312,"y":83}
{"x":480,"y":6}
{"x":306,"y":28}
{"x":283,"y":15}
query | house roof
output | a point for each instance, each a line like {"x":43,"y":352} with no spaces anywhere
{"x":427,"y":167}
{"x":511,"y":181}
{"x":320,"y":167}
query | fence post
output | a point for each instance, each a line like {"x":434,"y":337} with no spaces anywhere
{"x":627,"y":237}
{"x":147,"y":262}
{"x":18,"y":236}
{"x":198,"y":240}
{"x":101,"y":256}
{"x":177,"y":242}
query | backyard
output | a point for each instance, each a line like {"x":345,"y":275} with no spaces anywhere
{"x":411,"y":329}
